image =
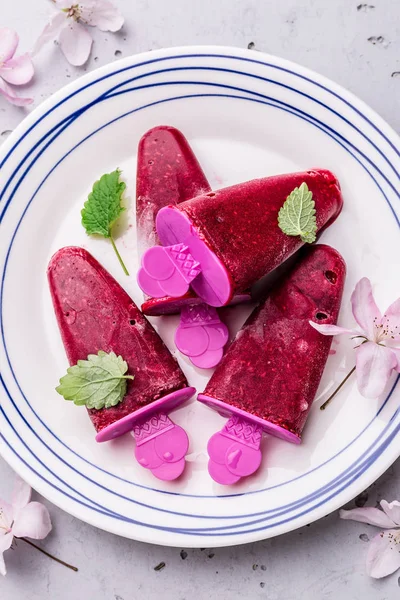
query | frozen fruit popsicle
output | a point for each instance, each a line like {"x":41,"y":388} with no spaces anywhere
{"x":94,"y":313}
{"x":270,"y":374}
{"x":168,"y":173}
{"x":224,"y":241}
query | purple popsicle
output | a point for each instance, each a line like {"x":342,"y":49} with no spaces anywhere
{"x":269,"y":376}
{"x":222,"y":242}
{"x":94,"y":313}
{"x":169,"y":173}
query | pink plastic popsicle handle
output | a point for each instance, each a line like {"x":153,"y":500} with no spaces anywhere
{"x":167,"y":271}
{"x":185,"y":258}
{"x":161,"y":446}
{"x":234,"y":451}
{"x":201,"y":335}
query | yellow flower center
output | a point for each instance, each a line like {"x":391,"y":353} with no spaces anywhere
{"x":73,"y":12}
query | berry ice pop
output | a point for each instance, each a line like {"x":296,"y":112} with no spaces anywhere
{"x":224,"y":241}
{"x":168,"y":173}
{"x":94,"y":313}
{"x":269,"y":376}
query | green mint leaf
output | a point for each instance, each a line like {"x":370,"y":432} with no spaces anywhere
{"x":297,"y":215}
{"x":103,"y":208}
{"x":98,"y":382}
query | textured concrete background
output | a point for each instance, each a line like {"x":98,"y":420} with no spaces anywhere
{"x":357,"y":45}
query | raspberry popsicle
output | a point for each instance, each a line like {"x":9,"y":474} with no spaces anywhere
{"x":94,"y":313}
{"x":268,"y":378}
{"x":168,"y":173}
{"x":224,"y":241}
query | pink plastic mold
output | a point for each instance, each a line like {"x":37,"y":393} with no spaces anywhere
{"x":184,"y":260}
{"x":161,"y":446}
{"x":201,"y":335}
{"x":167,"y":271}
{"x":235,"y":450}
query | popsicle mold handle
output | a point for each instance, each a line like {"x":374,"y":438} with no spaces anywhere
{"x":201,"y":335}
{"x":161,"y":446}
{"x":167,"y":271}
{"x":234,"y":451}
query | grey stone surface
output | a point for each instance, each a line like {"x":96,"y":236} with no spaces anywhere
{"x":357,"y":45}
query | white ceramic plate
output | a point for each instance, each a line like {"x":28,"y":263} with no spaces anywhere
{"x":246,"y":115}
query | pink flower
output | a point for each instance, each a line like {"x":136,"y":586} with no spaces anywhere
{"x":22,"y":518}
{"x":383,"y":556}
{"x":378,"y":347}
{"x":14,"y":70}
{"x":68,"y":26}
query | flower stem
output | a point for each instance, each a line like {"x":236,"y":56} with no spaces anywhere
{"x":47,"y":554}
{"x":325,"y":404}
{"x":121,"y":262}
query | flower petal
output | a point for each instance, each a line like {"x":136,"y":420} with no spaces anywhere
{"x":383,"y":556}
{"x":32,"y":521}
{"x":50,"y":32}
{"x":6,"y":514}
{"x":5,"y":541}
{"x":392,"y":510}
{"x":8,"y":43}
{"x":76,"y":43}
{"x":22,"y":493}
{"x":18,"y":70}
{"x":370,"y":515}
{"x":9,"y":94}
{"x":102,"y":14}
{"x":5,"y":544}
{"x":374,"y":365}
{"x":332,"y":329}
{"x":396,"y":352}
{"x":62,"y":4}
{"x":393,"y":318}
{"x":365,"y":310}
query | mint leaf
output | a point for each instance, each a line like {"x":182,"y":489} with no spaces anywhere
{"x":103,"y":208}
{"x":98,"y":382}
{"x":297,"y":215}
